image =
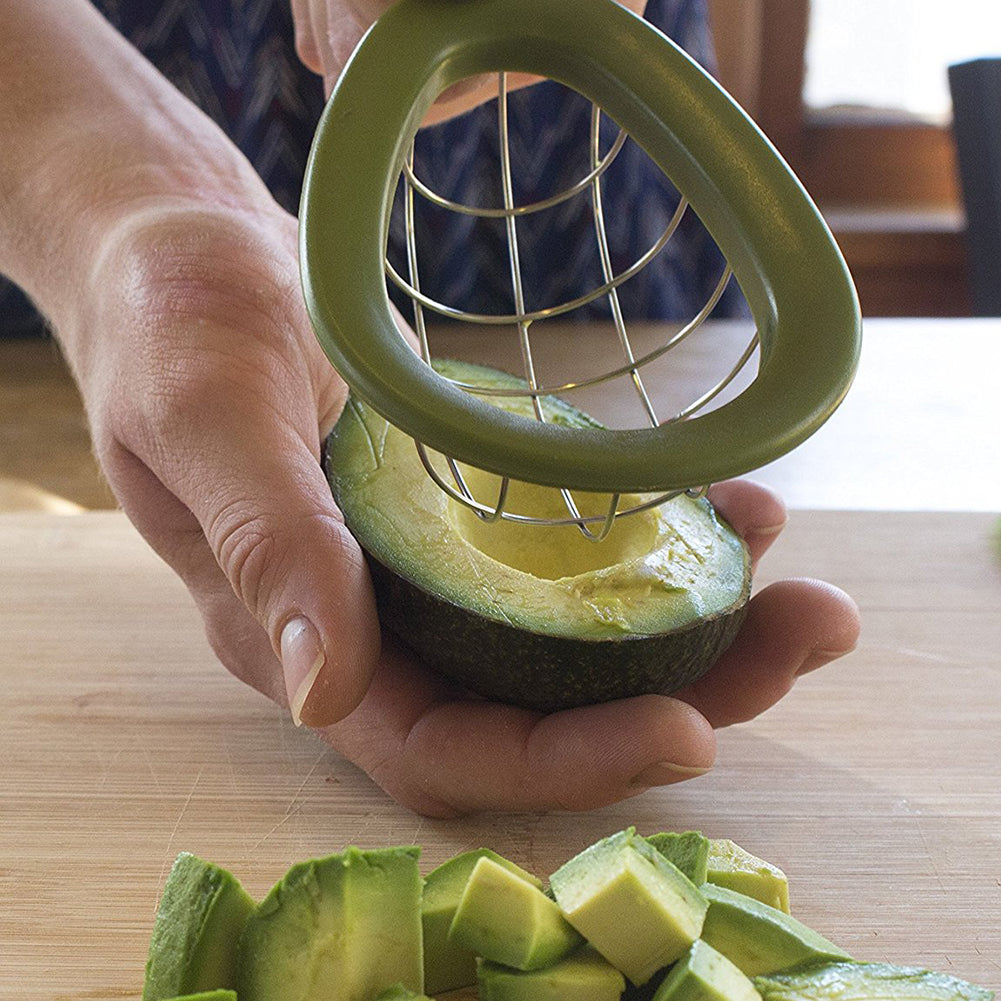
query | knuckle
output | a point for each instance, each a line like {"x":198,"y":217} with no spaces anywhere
{"x":247,"y":550}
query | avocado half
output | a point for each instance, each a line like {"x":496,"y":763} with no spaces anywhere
{"x":536,"y":616}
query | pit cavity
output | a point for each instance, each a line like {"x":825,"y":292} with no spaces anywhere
{"x":546,"y":552}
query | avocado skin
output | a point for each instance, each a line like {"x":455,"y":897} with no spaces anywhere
{"x":536,"y":671}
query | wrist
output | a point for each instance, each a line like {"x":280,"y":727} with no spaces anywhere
{"x":95,"y":138}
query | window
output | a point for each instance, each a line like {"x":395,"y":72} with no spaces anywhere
{"x":832,"y":82}
{"x":889,"y":58}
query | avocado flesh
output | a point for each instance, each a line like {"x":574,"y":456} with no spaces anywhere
{"x":193,"y":947}
{"x":704,"y":974}
{"x":636,"y":908}
{"x":848,"y":981}
{"x":758,"y":938}
{"x":688,"y":850}
{"x":400,"y":993}
{"x":582,"y":975}
{"x":217,"y":995}
{"x":737,"y":869}
{"x":341,"y":928}
{"x":537,"y":616}
{"x":509,"y":920}
{"x":447,"y":964}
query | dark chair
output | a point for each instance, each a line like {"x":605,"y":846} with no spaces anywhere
{"x":976,"y":101}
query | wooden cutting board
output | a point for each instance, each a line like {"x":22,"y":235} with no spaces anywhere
{"x":876,"y":785}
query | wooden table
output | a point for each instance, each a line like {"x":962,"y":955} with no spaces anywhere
{"x":876,"y":784}
{"x":917,"y":431}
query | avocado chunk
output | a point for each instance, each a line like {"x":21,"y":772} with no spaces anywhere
{"x":340,"y":928}
{"x":199,"y":920}
{"x":688,"y":850}
{"x":704,"y":974}
{"x":448,"y":965}
{"x":636,"y":908}
{"x":864,"y":981}
{"x":535,"y":615}
{"x":509,"y":920}
{"x":216,"y":995}
{"x":734,"y":867}
{"x":758,"y":938}
{"x":582,"y":975}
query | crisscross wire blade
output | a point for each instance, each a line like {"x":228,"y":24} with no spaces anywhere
{"x":633,"y":367}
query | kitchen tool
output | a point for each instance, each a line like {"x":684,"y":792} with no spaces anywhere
{"x":780,"y":252}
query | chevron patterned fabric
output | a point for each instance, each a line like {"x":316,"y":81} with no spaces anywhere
{"x":236,"y":60}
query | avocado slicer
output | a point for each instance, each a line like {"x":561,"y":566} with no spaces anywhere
{"x":777,"y":248}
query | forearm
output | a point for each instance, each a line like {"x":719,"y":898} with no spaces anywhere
{"x":90,"y":132}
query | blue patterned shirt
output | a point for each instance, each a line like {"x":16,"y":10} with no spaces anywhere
{"x":237,"y":62}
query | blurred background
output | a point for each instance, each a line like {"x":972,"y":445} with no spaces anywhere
{"x":856,"y":95}
{"x":903,"y":157}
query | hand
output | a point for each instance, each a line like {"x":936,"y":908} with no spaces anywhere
{"x":442,"y":754}
{"x":172,"y":282}
{"x":327,"y":31}
{"x":209,"y":401}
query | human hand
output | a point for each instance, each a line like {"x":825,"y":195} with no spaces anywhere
{"x":327,"y":31}
{"x":443,"y":754}
{"x":171,"y":279}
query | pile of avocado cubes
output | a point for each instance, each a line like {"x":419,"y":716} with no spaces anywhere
{"x":669,"y":917}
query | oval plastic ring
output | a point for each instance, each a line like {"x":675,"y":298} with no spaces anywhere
{"x":790,"y":270}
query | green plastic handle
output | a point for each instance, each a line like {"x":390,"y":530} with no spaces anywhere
{"x":788,"y":266}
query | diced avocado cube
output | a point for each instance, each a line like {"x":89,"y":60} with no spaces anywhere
{"x":731,"y":866}
{"x":340,"y":928}
{"x":704,"y":974}
{"x":582,"y":976}
{"x":201,"y":915}
{"x":636,"y":908}
{"x":508,"y":919}
{"x":688,"y":850}
{"x":448,"y":965}
{"x":839,"y":981}
{"x":758,"y":938}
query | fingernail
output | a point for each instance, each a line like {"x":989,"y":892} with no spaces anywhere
{"x":663,"y":773}
{"x":302,"y":659}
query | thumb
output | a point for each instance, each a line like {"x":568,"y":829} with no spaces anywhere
{"x":239,"y":507}
{"x":281,"y":542}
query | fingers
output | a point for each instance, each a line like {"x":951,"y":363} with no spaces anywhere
{"x":306,"y":39}
{"x":214,"y":449}
{"x":792,"y":627}
{"x":443,"y":755}
{"x":755,"y":512}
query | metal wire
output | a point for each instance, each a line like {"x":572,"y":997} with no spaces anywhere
{"x":455,"y":485}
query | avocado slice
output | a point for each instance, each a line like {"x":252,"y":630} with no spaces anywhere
{"x":340,"y":928}
{"x":847,"y":981}
{"x":582,"y":975}
{"x":509,"y":920}
{"x":636,"y":908}
{"x":532,"y":615}
{"x":704,"y":974}
{"x":688,"y":850}
{"x":736,"y":868}
{"x":448,"y":965}
{"x":758,"y":938}
{"x":199,"y":920}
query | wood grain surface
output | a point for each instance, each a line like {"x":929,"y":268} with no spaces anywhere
{"x":876,"y":784}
